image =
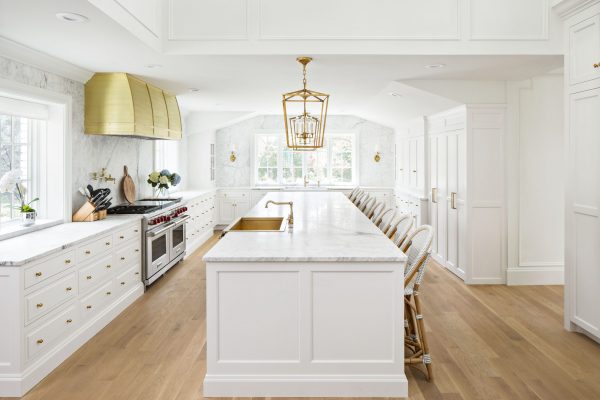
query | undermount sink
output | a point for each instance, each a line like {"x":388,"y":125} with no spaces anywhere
{"x":257,"y":224}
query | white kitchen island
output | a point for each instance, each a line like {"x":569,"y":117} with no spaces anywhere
{"x":313,"y":311}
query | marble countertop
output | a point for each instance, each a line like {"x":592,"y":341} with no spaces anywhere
{"x":39,"y":244}
{"x":327,"y":227}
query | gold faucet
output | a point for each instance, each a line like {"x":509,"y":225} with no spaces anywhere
{"x":305,"y":181}
{"x":283,"y":203}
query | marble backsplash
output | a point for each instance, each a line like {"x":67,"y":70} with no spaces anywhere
{"x":370,"y":135}
{"x":89,"y":153}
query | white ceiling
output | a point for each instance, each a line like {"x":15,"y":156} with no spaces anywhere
{"x":246,"y":83}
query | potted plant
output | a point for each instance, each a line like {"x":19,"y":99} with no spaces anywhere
{"x":11,"y":182}
{"x":162,"y":181}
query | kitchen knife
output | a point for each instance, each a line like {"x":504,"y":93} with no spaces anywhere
{"x":83,"y":193}
{"x":95,"y":199}
{"x":101,"y":205}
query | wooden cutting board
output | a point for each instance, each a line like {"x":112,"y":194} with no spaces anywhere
{"x":128,"y":186}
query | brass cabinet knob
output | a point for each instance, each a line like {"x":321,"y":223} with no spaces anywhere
{"x":122,"y":258}
{"x":107,"y":243}
{"x":88,"y":252}
{"x":38,"y":274}
{"x":122,"y":283}
{"x":121,"y":237}
{"x":69,"y":321}
{"x":68,"y":289}
{"x":108,"y":293}
{"x":137,"y":250}
{"x":88,"y":277}
{"x":137,"y":273}
{"x":108,"y":266}
{"x":39,"y":305}
{"x":40,"y":341}
{"x":88,"y":307}
{"x":136,"y":231}
{"x":67,"y":261}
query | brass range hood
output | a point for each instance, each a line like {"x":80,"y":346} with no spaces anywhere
{"x":119,"y":104}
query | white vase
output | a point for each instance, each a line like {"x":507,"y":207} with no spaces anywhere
{"x":28,"y":218}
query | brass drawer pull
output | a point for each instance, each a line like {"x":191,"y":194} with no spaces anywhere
{"x":38,"y":274}
{"x":69,"y":321}
{"x":136,"y":231}
{"x":67,"y":261}
{"x":68,"y":289}
{"x":88,"y":277}
{"x":108,"y":266}
{"x":88,"y":307}
{"x":40,"y":341}
{"x":107,"y":243}
{"x":122,"y":283}
{"x":137,"y":250}
{"x":121,"y":237}
{"x":108,"y":293}
{"x":122,"y":258}
{"x":88,"y":252}
{"x":39,"y":305}
{"x":137,"y":273}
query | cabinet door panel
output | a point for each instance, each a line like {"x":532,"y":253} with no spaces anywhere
{"x":584,"y":39}
{"x":226,"y":211}
{"x":583,"y":210}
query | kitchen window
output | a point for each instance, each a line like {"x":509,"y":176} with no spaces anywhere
{"x":276,"y":164}
{"x":19,"y":147}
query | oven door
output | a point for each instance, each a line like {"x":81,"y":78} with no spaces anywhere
{"x":158,"y":245}
{"x":178,"y":237}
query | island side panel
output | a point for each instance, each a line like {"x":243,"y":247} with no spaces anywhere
{"x":305,"y":329}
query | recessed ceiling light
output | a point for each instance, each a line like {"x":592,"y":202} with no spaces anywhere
{"x":435,"y":66}
{"x":194,"y":89}
{"x":395,"y":94}
{"x":151,"y":66}
{"x":71,"y":17}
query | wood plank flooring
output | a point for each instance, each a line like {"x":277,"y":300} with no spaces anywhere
{"x":487,"y":342}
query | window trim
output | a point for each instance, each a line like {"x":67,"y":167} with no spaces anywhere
{"x":60,"y":107}
{"x":355,"y":159}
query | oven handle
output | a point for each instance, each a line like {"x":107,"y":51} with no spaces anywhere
{"x":160,"y":231}
{"x":182,"y":220}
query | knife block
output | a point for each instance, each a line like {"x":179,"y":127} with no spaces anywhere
{"x":86,"y":213}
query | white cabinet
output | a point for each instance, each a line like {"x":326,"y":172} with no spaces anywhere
{"x":233,"y":204}
{"x":466,"y":193}
{"x":583,"y":211}
{"x":52,"y":306}
{"x":202,"y":210}
{"x":584,"y":42}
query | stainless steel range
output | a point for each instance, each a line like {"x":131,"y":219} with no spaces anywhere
{"x":164,"y":240}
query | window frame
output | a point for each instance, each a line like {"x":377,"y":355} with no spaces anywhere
{"x":58,"y":194}
{"x":282,"y":145}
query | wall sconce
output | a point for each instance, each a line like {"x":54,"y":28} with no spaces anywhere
{"x":377,"y":156}
{"x":233,"y":155}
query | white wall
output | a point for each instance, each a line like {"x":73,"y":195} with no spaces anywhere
{"x":535,"y":181}
{"x":89,"y":153}
{"x":238,"y":174}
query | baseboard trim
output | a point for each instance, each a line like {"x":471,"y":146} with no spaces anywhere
{"x":306,"y":386}
{"x":196,"y":244}
{"x":16,"y":385}
{"x":536,"y":274}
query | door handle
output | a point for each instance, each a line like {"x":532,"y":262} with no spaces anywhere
{"x":453,"y":200}
{"x":156,"y":233}
{"x":434,"y":195}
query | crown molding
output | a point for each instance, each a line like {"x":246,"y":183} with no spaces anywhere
{"x":45,"y":62}
{"x":568,"y":8}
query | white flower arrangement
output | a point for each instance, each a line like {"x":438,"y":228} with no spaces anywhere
{"x":11,"y":182}
{"x":163,"y":179}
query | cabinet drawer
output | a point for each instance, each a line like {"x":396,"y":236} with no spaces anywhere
{"x":96,"y":300}
{"x":48,"y":268}
{"x":128,"y":255}
{"x":93,"y":274}
{"x":92,"y":249}
{"x":43,"y":301}
{"x":57,"y":328}
{"x":129,"y":278}
{"x":131,"y":232}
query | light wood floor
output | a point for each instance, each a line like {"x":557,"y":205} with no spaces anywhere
{"x":487,"y":342}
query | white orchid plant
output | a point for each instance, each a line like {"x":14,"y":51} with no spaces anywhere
{"x":163,"y":179}
{"x":11,"y":182}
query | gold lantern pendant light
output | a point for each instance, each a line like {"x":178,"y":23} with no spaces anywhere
{"x":305,"y":130}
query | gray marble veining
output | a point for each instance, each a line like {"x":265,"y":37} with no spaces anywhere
{"x":327,"y":228}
